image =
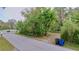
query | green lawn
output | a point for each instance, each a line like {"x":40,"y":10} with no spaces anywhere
{"x":5,"y":45}
{"x":72,"y":46}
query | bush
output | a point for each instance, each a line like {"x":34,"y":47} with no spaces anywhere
{"x":70,"y":32}
{"x":55,"y":27}
{"x":37,"y":22}
{"x":76,"y":37}
{"x":20,"y":26}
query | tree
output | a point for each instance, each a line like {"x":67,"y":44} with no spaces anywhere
{"x":11,"y":23}
{"x":75,"y":16}
{"x":38,"y":22}
{"x":61,"y":14}
{"x":19,"y":26}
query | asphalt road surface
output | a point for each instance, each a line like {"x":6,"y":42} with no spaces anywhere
{"x":28,"y":44}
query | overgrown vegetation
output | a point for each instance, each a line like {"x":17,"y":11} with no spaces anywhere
{"x":40,"y":21}
{"x":70,"y":28}
{"x":70,"y":31}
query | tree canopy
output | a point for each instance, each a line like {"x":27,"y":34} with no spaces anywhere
{"x":38,"y":22}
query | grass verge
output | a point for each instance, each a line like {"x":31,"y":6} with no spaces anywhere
{"x":72,"y":46}
{"x":5,"y":45}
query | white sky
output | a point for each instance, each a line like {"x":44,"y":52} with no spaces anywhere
{"x":11,"y":13}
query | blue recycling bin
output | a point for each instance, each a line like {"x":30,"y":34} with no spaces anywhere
{"x":59,"y":42}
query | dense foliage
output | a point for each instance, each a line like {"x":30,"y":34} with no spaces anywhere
{"x":38,"y":22}
{"x":75,"y":16}
{"x":70,"y":31}
{"x":70,"y":28}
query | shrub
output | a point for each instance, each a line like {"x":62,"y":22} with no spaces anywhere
{"x":70,"y":31}
{"x":37,"y":22}
{"x":76,"y":37}
{"x":55,"y":27}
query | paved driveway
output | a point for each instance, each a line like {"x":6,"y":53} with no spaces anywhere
{"x":28,"y":44}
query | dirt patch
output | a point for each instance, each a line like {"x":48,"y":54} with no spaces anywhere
{"x":50,"y":38}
